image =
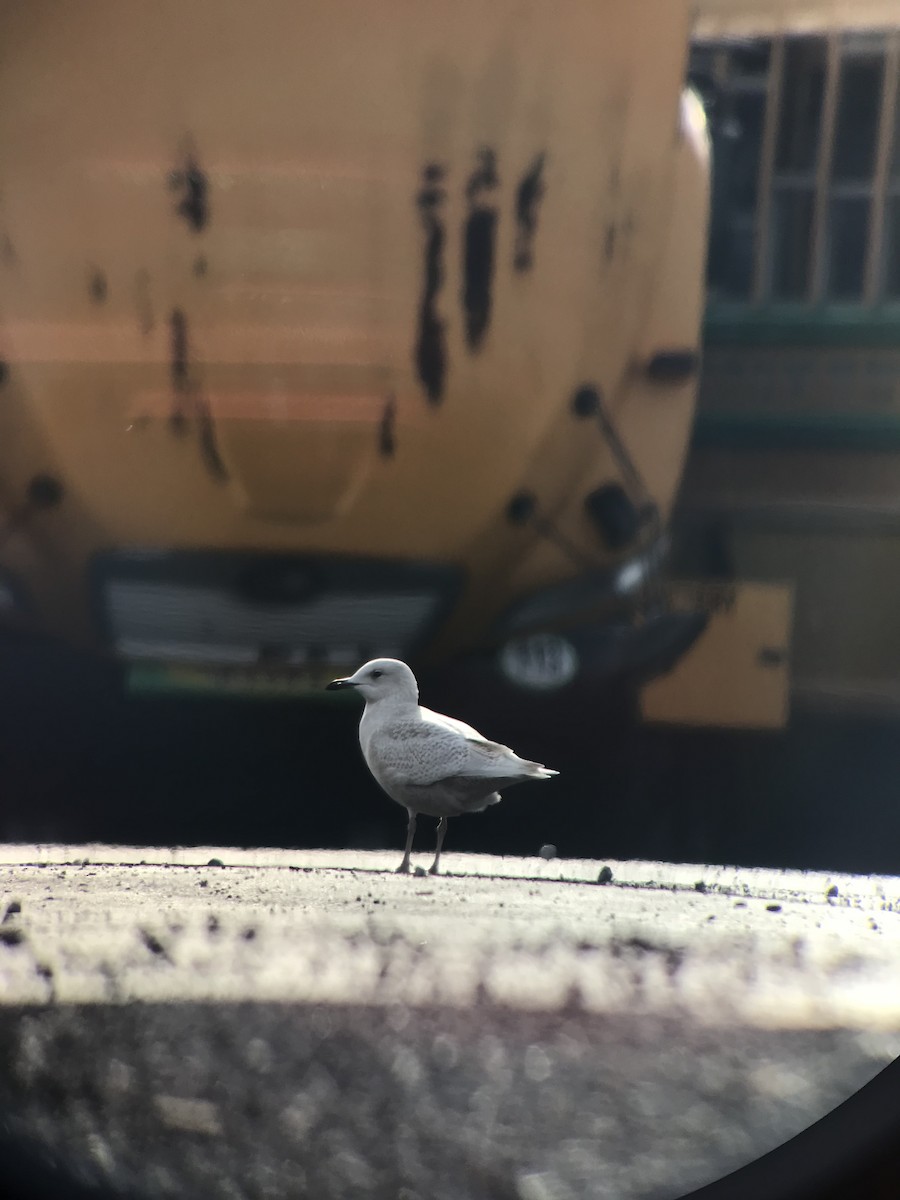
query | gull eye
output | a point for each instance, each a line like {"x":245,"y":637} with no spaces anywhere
{"x":375,"y":674}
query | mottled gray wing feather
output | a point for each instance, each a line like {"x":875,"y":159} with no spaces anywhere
{"x":492,"y":756}
{"x":425,"y":752}
{"x":436,"y":770}
{"x":417,"y":753}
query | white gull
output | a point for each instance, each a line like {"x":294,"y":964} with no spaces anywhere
{"x":427,"y":762}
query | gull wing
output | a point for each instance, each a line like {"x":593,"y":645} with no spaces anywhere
{"x":423,"y":752}
{"x":434,"y":718}
{"x":417,"y":753}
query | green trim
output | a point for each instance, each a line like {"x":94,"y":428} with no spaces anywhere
{"x":244,"y":683}
{"x":782,"y":431}
{"x":801,"y":325}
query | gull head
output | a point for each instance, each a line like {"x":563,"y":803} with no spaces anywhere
{"x":380,"y":679}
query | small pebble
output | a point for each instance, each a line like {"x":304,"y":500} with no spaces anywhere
{"x":420,"y":872}
{"x":605,"y":875}
{"x":193,"y":1116}
{"x":832,"y":892}
{"x":548,"y":851}
{"x":152,"y":942}
{"x":11,"y":909}
{"x":700,"y":886}
{"x":215,"y":862}
{"x":773,"y":908}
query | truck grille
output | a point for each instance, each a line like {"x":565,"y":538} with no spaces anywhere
{"x":245,"y":609}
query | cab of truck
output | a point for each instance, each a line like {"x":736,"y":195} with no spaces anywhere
{"x":349,"y":331}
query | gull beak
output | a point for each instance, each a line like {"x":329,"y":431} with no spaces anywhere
{"x":337,"y":684}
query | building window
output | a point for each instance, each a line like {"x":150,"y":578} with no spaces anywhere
{"x":806,"y":174}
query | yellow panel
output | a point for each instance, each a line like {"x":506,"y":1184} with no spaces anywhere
{"x":737,"y":674}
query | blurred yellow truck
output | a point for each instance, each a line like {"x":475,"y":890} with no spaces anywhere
{"x":341,"y":329}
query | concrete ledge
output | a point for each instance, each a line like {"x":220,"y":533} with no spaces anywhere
{"x":297,"y":1023}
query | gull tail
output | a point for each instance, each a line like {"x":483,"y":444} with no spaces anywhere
{"x":533,"y":770}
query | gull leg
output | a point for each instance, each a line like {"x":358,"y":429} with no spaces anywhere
{"x":403,"y":869}
{"x":441,"y":830}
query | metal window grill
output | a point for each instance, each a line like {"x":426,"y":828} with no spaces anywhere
{"x":806,"y":202}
